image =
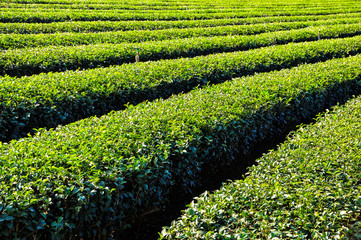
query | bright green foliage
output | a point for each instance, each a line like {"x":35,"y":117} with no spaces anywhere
{"x":54,"y":15}
{"x":108,"y":6}
{"x":58,"y":98}
{"x":309,"y":188}
{"x":91,"y":179}
{"x":11,"y":41}
{"x":163,"y":5}
{"x":19,"y":62}
{"x":103,"y":26}
{"x":96,"y":175}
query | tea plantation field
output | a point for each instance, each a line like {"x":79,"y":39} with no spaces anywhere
{"x":112,"y":109}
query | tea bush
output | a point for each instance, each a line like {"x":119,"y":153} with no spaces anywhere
{"x":309,"y":188}
{"x":96,"y":175}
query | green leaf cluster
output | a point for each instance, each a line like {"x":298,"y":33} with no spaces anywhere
{"x":309,"y":188}
{"x":96,"y":175}
{"x":106,"y":26}
{"x":53,"y":15}
{"x":15,"y":41}
{"x":20,"y":62}
{"x":47,"y":100}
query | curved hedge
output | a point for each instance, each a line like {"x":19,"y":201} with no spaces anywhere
{"x":19,"y":62}
{"x":11,"y":41}
{"x":95,"y":176}
{"x":58,"y":98}
{"x":104,"y":26}
{"x":15,"y":41}
{"x":309,"y":188}
{"x":46,"y":16}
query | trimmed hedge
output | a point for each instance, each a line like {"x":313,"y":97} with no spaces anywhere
{"x":59,"y":98}
{"x":309,"y":188}
{"x":95,"y":176}
{"x":13,"y":41}
{"x":20,"y":62}
{"x":103,"y":26}
{"x":154,"y":5}
{"x":46,"y":16}
{"x":210,"y":3}
{"x":109,"y":6}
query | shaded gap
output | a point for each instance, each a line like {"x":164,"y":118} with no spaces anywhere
{"x":149,"y":225}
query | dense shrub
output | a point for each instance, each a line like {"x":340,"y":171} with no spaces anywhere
{"x":309,"y":188}
{"x":96,"y":175}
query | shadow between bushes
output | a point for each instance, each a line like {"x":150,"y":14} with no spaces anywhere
{"x":148,"y":226}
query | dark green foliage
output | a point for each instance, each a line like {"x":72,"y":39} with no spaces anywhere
{"x":309,"y":188}
{"x":94,"y":176}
